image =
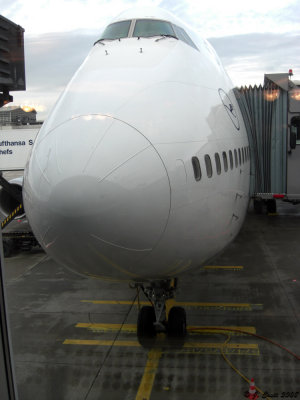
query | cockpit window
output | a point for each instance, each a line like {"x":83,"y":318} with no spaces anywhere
{"x":118,"y":30}
{"x":182,"y":35}
{"x":145,"y":28}
{"x":151,"y":27}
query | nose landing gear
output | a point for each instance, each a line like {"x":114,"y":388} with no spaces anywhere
{"x":153,"y":319}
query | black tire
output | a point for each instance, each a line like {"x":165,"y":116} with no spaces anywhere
{"x":177,"y":322}
{"x":145,"y":322}
{"x":8,"y":247}
{"x":271,"y":206}
{"x":258,"y":206}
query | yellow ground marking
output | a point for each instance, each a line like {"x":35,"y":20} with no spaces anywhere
{"x":205,"y":305}
{"x":216,"y":351}
{"x":122,"y":302}
{"x":108,"y":327}
{"x":131,"y":328}
{"x":126,"y":343}
{"x":188,"y":345}
{"x":221,"y":329}
{"x":145,"y":388}
{"x":225,"y":268}
{"x":220,"y":345}
{"x":212,"y":304}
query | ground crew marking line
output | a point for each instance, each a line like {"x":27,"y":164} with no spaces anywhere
{"x":162,"y":347}
{"x":12,"y":215}
{"x":94,"y":342}
{"x":145,"y":388}
{"x":222,"y":329}
{"x":201,"y":305}
{"x":131,"y":328}
{"x":246,"y":349}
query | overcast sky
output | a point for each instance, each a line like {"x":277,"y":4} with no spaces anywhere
{"x":251,"y":37}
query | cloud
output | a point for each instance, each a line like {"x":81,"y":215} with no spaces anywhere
{"x":213,"y":18}
{"x":45,"y":16}
{"x":248,"y":57}
{"x":52,"y":58}
{"x":50,"y":62}
{"x":290,"y":15}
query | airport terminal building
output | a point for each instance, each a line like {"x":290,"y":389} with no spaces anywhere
{"x":14,"y":115}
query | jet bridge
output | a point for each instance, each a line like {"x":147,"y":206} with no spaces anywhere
{"x":12,"y":62}
{"x":272,"y":117}
{"x":12,"y":78}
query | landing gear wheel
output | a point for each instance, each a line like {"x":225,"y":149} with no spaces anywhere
{"x":271,"y":206}
{"x":145,"y":322}
{"x":8,"y":247}
{"x":177,"y":322}
{"x":258,"y":206}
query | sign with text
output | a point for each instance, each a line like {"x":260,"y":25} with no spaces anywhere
{"x":15,"y":148}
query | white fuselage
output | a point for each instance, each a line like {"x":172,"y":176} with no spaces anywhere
{"x":110,"y":189}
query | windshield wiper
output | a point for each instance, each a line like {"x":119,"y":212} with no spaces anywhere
{"x":166,"y":36}
{"x":100,"y":40}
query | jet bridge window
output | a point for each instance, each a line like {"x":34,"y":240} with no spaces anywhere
{"x":151,"y":27}
{"x":295,"y":128}
{"x":196,"y":168}
{"x":182,"y":35}
{"x":118,"y":30}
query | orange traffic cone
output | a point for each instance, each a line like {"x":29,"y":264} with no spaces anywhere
{"x":252,"y":393}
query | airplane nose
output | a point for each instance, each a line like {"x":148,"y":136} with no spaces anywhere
{"x":96,"y":185}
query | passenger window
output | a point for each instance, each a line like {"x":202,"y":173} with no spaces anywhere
{"x":235,"y":158}
{"x":225,"y":162}
{"x":243,"y":155}
{"x":118,"y":30}
{"x":218,"y":163}
{"x":208,"y":165}
{"x":196,"y":168}
{"x":240,"y":157}
{"x":182,"y":35}
{"x":231,"y":159}
{"x":152,"y":27}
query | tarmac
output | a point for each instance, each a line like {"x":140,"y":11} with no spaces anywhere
{"x":75,"y":338}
